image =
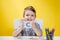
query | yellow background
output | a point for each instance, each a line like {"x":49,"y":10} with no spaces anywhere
{"x":47,"y":10}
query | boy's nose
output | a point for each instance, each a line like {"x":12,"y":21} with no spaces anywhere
{"x":29,"y":19}
{"x":29,"y":16}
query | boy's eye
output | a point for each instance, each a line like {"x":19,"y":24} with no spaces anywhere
{"x":32,"y":15}
{"x":27,"y":15}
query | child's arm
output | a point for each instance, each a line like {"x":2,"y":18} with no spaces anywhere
{"x":17,"y":31}
{"x":37,"y":31}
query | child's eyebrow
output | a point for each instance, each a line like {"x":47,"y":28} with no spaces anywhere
{"x":27,"y":14}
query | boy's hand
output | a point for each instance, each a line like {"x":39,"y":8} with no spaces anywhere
{"x":35,"y":29}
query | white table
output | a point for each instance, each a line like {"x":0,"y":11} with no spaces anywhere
{"x":26,"y":38}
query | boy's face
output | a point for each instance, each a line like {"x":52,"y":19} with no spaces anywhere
{"x":29,"y":15}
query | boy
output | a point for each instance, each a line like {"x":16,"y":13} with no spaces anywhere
{"x":28,"y":15}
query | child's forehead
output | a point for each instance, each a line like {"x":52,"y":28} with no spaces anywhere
{"x":29,"y":12}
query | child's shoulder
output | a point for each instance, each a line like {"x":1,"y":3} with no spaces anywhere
{"x":18,"y":20}
{"x":39,"y":22}
{"x":17,"y":23}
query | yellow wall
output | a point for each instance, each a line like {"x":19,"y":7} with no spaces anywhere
{"x":47,"y":10}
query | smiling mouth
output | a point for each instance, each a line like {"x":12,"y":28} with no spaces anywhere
{"x":29,"y":20}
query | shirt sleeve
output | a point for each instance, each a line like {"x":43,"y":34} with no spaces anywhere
{"x":17,"y":23}
{"x":39,"y":25}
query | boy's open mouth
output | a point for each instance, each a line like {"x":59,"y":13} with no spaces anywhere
{"x":29,"y":20}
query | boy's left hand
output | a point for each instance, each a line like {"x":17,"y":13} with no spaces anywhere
{"x":35,"y":29}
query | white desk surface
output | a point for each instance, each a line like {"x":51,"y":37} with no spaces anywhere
{"x":26,"y":38}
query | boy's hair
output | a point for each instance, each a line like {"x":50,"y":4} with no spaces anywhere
{"x":31,"y":9}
